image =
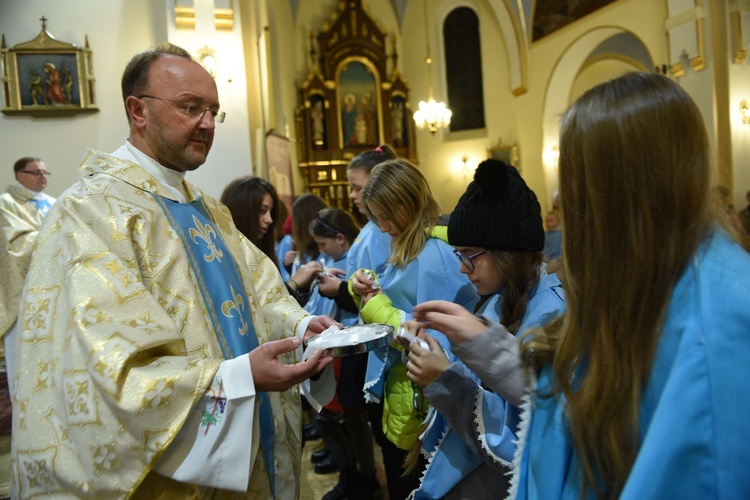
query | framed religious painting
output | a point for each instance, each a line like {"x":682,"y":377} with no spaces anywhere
{"x":507,"y":153}
{"x":279,"y":161}
{"x":47,"y":77}
{"x":359,"y":96}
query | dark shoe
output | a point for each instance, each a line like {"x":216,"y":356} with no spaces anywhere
{"x":326,"y":466}
{"x":342,"y":490}
{"x":320,"y":455}
{"x":310,"y":432}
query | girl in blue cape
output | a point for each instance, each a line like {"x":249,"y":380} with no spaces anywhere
{"x":496,"y":229}
{"x":370,"y":251}
{"x":639,"y":386}
{"x":305,"y":265}
{"x":420,"y":268}
{"x":371,"y":248}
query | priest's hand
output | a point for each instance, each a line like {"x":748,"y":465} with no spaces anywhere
{"x":318,"y":324}
{"x":451,"y":319}
{"x":270,"y":374}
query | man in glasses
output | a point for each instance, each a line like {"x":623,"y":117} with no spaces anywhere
{"x":22,"y":208}
{"x":157,"y":345}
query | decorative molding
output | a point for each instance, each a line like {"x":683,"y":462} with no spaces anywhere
{"x":224,"y":19}
{"x":692,"y":40}
{"x":184,"y":17}
{"x":737,"y":34}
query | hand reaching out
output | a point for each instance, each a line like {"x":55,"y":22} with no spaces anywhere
{"x":307,"y":273}
{"x":365,"y":285}
{"x":289,"y":257}
{"x":451,"y":319}
{"x":269,"y":374}
{"x":362,"y":283}
{"x":328,"y":285}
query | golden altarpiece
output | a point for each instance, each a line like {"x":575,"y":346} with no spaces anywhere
{"x":349,"y":102}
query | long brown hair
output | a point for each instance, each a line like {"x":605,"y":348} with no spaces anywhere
{"x":520,"y":270}
{"x":244,"y":198}
{"x":634,"y":173}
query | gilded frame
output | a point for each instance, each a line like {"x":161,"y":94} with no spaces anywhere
{"x":46,"y":77}
{"x":361,"y":120}
{"x":505,"y":153}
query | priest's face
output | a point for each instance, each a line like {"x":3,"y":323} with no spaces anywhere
{"x":33,"y":176}
{"x":179,"y":107}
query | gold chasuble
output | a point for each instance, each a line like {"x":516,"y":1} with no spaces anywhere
{"x":116,"y":343}
{"x":20,"y":218}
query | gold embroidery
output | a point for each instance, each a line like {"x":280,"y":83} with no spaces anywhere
{"x":37,"y":472}
{"x":104,"y":457}
{"x":43,"y":377}
{"x":80,"y":405}
{"x":160,"y":393}
{"x":238,"y":304}
{"x":207,"y":234}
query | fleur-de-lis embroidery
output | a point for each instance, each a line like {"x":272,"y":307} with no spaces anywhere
{"x":207,"y":234}
{"x":238,"y":304}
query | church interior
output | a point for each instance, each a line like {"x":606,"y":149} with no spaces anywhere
{"x":307,"y":85}
{"x":516,"y":66}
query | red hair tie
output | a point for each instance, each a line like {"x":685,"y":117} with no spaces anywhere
{"x":379,"y":149}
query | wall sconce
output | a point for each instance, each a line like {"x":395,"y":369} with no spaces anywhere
{"x":551,"y":157}
{"x":745,"y":112}
{"x":464,"y":167}
{"x":206,"y":56}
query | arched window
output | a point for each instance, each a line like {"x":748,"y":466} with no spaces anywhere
{"x":463,"y":67}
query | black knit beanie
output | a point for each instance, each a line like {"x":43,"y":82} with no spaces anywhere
{"x":497,"y":211}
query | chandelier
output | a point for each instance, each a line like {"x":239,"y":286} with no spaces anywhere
{"x":431,"y":115}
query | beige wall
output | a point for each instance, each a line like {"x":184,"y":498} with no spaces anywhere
{"x":116,"y":30}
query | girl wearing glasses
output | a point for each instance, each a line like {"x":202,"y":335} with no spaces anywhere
{"x":498,"y":236}
{"x":420,"y":268}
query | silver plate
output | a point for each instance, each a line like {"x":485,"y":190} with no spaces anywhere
{"x":384,"y":335}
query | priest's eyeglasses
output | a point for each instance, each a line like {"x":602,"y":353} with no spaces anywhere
{"x":37,"y":173}
{"x":468,"y":260}
{"x":191,"y":111}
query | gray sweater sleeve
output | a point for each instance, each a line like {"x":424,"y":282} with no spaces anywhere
{"x":454,"y":394}
{"x":495,"y":357}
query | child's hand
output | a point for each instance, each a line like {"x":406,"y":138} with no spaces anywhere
{"x":425,"y":365}
{"x":363,"y":283}
{"x":451,"y":319}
